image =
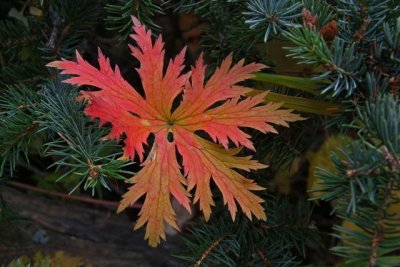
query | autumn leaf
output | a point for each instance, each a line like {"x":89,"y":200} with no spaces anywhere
{"x":217,"y":107}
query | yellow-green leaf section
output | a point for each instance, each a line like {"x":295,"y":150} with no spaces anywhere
{"x":299,"y":83}
{"x":301,"y":104}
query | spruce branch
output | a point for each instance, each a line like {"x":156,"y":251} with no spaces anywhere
{"x":382,"y":118}
{"x":18,"y":123}
{"x":13,"y":34}
{"x":311,"y":47}
{"x":77,"y":143}
{"x":365,"y":187}
{"x":252,"y":244}
{"x":208,"y":246}
{"x":378,"y":236}
{"x":343,"y":64}
{"x":364,"y":20}
{"x":276,"y":15}
{"x":69,"y":22}
{"x":23,"y":73}
{"x":119,"y":15}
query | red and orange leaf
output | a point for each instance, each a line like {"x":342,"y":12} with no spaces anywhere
{"x":203,"y":160}
{"x":176,"y":130}
{"x":159,"y":177}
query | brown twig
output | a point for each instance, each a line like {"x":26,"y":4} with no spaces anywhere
{"x":69,"y":197}
{"x":208,"y":250}
{"x":379,"y":233}
{"x":263,"y":258}
{"x":394,"y":166}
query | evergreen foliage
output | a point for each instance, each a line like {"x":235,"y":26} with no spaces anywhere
{"x":274,"y":14}
{"x":365,"y":188}
{"x":119,"y":15}
{"x":277,"y":242}
{"x":18,"y":125}
{"x":76,"y":142}
{"x":26,"y":103}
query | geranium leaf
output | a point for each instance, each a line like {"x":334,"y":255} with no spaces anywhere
{"x":217,"y":107}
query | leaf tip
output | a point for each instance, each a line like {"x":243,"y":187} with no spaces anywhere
{"x":54,"y":64}
{"x":135,"y":21}
{"x":262,"y":217}
{"x":121,"y":208}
